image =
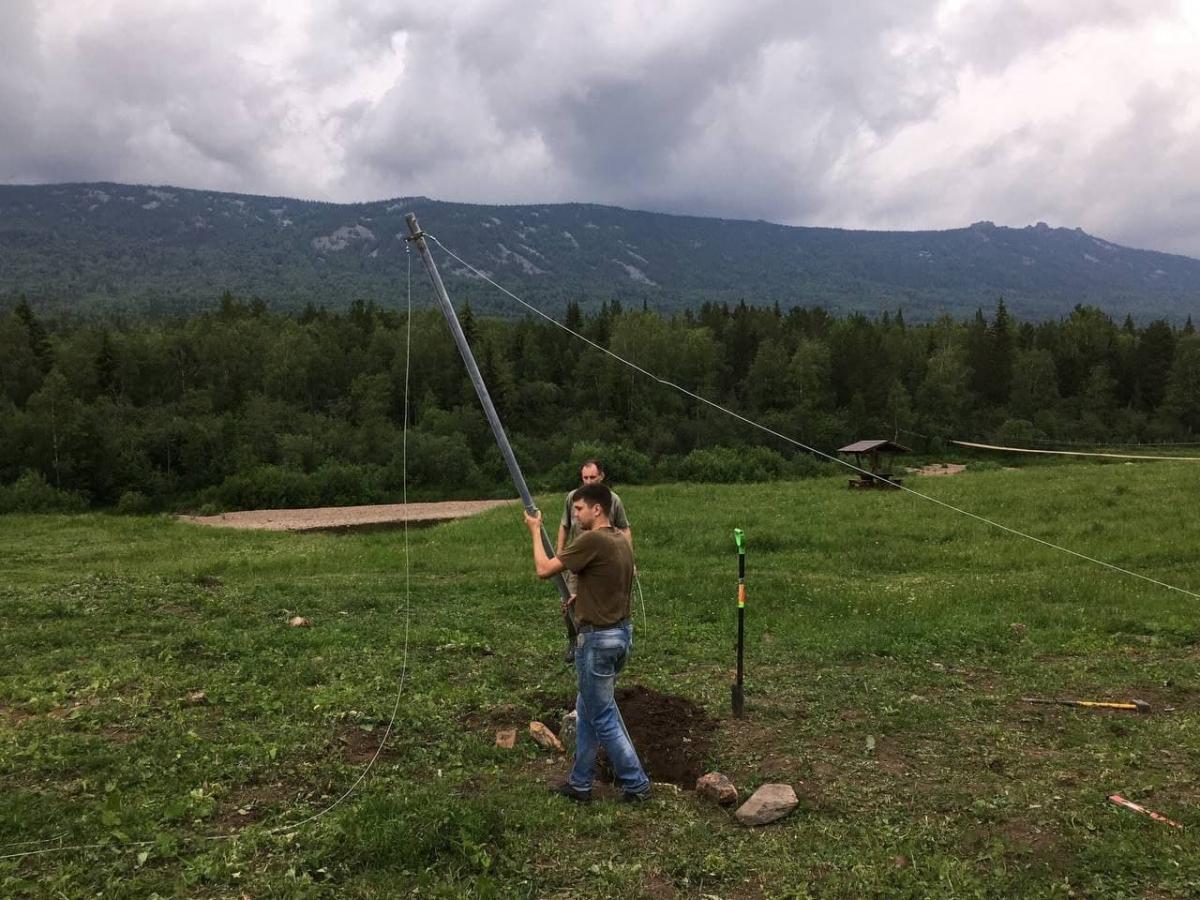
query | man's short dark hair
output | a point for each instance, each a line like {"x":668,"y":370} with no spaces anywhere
{"x":595,"y":493}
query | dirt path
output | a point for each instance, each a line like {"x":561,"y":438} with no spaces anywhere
{"x":347,"y":518}
{"x":939,"y":469}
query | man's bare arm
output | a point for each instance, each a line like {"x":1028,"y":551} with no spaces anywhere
{"x":562,"y":540}
{"x":545,"y":566}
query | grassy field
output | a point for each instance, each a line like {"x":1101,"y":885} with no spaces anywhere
{"x":889,"y":644}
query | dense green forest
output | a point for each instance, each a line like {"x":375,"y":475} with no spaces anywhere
{"x":242,"y":407}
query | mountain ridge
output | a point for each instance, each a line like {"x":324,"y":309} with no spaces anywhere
{"x":100,"y":246}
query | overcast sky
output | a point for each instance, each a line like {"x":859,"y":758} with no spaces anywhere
{"x":875,"y":114}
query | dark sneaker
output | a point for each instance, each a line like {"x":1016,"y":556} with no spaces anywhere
{"x":631,"y":797}
{"x":565,"y":790}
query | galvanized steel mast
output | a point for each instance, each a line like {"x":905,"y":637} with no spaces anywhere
{"x":514,"y":469}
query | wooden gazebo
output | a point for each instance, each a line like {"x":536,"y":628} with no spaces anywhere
{"x":873,"y":457}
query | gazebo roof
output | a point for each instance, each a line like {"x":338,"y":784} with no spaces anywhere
{"x":868,"y":446}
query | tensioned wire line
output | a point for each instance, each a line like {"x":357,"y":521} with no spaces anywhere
{"x":130,"y":845}
{"x":790,"y":440}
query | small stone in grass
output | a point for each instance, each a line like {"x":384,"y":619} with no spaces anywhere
{"x":718,"y":788}
{"x":546,"y":737}
{"x":299,"y":622}
{"x":569,"y":729}
{"x":506,"y":738}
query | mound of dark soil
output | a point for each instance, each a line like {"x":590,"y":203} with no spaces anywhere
{"x":672,"y":734}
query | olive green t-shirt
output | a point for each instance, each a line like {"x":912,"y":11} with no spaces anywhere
{"x":603,"y":560}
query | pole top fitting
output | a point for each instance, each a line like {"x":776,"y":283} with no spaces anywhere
{"x":739,"y":538}
{"x":415,"y":232}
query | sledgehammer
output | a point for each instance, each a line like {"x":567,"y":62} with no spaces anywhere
{"x":1140,"y":706}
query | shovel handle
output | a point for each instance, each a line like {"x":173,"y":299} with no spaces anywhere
{"x":1096,"y":704}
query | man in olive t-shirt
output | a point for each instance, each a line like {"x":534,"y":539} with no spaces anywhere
{"x":591,"y":471}
{"x":602,"y":558}
{"x":602,"y":594}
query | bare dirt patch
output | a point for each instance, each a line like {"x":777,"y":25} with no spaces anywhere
{"x":890,"y":758}
{"x":13,"y":715}
{"x":671,"y":733}
{"x":939,"y":469}
{"x":656,"y":886}
{"x":179,"y":611}
{"x":347,"y":518}
{"x":73,"y":711}
{"x":251,"y":803}
{"x":119,"y":734}
{"x":358,"y":746}
{"x":1021,"y":840}
{"x":512,"y":715}
{"x":18,"y":717}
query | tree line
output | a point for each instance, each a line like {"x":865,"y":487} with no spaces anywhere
{"x":242,"y":407}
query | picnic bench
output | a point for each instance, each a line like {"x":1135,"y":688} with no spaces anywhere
{"x":878,"y":479}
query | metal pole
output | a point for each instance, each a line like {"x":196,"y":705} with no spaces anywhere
{"x":739,"y":696}
{"x":514,"y":469}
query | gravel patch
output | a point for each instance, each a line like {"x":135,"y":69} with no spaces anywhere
{"x":940,"y":469}
{"x":347,"y":518}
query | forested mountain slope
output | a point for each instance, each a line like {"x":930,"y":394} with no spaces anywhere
{"x":164,"y":250}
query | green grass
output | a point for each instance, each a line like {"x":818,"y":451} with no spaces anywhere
{"x":870,"y":615}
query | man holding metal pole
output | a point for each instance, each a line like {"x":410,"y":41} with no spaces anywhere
{"x":602,"y":560}
{"x":590,"y":472}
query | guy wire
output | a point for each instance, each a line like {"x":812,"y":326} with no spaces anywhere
{"x":800,"y":444}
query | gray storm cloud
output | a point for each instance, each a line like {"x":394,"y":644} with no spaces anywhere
{"x":927,"y":114}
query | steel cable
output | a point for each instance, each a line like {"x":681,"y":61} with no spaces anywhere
{"x":790,"y":440}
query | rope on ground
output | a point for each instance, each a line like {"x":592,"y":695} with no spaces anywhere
{"x":975,"y":446}
{"x":128,"y":846}
{"x":407,"y":581}
{"x":790,"y":440}
{"x":280,"y":829}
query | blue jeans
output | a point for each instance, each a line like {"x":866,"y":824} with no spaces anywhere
{"x":599,"y":657}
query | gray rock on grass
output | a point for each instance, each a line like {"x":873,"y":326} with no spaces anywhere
{"x":768,"y":804}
